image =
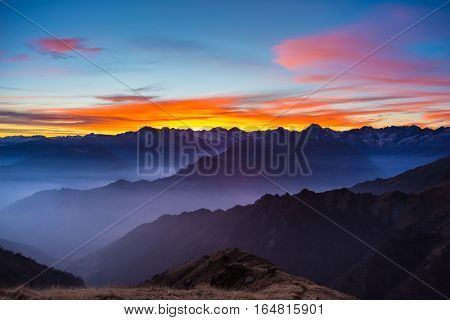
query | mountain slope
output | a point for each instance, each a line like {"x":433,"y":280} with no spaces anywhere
{"x":422,"y":248}
{"x":435,"y":174}
{"x":233,"y":269}
{"x":15,"y":270}
{"x":278,"y":228}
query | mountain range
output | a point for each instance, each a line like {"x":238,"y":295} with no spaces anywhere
{"x":91,"y":151}
{"x":56,"y":221}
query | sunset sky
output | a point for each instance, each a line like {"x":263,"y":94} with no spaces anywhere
{"x":204,"y":64}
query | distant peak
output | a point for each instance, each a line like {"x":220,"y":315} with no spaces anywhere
{"x":314,"y":126}
{"x":147,"y":128}
{"x":218,"y":129}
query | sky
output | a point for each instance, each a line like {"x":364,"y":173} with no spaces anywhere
{"x":76,"y":67}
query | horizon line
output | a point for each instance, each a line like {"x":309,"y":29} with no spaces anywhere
{"x":216,"y":128}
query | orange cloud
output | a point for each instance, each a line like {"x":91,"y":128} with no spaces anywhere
{"x":438,"y":115}
{"x":246,"y":112}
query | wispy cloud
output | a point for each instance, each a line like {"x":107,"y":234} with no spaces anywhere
{"x":51,"y":118}
{"x":125,"y":98}
{"x":150,"y":87}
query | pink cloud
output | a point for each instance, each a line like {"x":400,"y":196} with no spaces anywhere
{"x":61,"y":47}
{"x":332,"y":52}
{"x":328,"y":48}
{"x":14,"y":58}
{"x":319,"y":57}
{"x":19,"y":58}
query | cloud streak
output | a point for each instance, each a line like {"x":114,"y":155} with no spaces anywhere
{"x":125,"y":98}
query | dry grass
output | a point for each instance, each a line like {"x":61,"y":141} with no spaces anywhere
{"x":161,"y":293}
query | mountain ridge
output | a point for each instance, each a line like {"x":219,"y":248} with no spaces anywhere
{"x":150,"y":128}
{"x":270,"y":227}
